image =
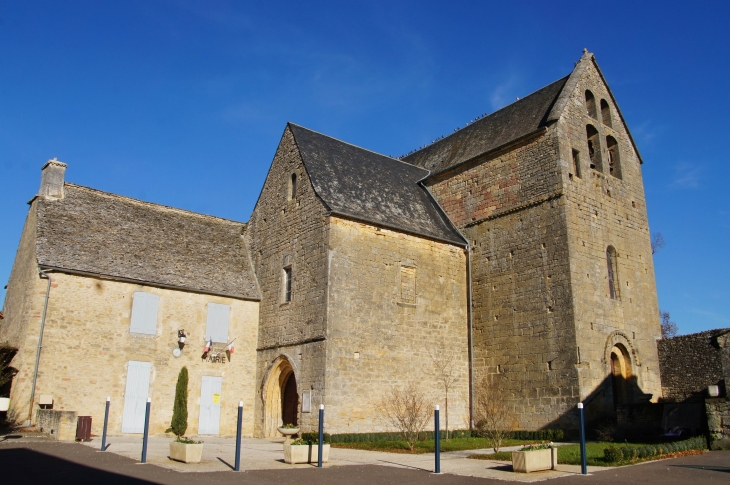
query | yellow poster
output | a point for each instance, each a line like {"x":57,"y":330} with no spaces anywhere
{"x":216,"y":398}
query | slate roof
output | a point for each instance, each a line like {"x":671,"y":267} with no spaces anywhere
{"x":90,"y":231}
{"x":357,"y":183}
{"x":504,"y":126}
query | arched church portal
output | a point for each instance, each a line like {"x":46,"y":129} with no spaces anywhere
{"x":281,"y":399}
{"x":621,"y":374}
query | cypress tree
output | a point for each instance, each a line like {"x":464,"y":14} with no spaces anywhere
{"x":179,"y":422}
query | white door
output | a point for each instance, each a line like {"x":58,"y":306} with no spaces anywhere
{"x":135,"y":396}
{"x":210,"y":405}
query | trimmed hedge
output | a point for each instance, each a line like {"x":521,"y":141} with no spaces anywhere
{"x":541,"y":435}
{"x":613,"y":454}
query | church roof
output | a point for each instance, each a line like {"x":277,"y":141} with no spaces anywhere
{"x":500,"y":128}
{"x":98,"y":233}
{"x":360,"y":184}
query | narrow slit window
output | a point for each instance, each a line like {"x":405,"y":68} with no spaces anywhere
{"x":293,"y":187}
{"x":591,"y":105}
{"x":594,"y":148}
{"x":576,"y":163}
{"x":605,"y":113}
{"x":287,"y":285}
{"x":612,"y":268}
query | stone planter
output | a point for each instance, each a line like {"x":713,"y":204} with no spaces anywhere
{"x":533,"y":460}
{"x":186,"y":453}
{"x":305,"y":453}
{"x":288,"y":433}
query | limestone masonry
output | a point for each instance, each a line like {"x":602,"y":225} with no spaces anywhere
{"x":517,"y":249}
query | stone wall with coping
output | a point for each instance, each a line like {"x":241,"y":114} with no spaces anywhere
{"x":379,"y":337}
{"x":87,"y":345}
{"x":691,"y":363}
{"x":283,"y":232}
{"x":604,"y":209}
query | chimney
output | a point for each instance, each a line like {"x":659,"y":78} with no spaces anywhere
{"x":52,"y":179}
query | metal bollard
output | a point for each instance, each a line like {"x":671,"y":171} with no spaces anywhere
{"x":238,"y":437}
{"x":146,"y":431}
{"x":106,"y":422}
{"x":583,"y":459}
{"x":320,"y":446}
{"x":437,"y":439}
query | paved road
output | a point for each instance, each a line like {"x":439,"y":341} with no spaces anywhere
{"x":39,"y":462}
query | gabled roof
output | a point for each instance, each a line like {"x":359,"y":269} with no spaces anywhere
{"x":500,"y":128}
{"x":360,"y":184}
{"x":98,"y":233}
{"x":517,"y":120}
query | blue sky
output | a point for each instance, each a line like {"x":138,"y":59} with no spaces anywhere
{"x":183,"y":103}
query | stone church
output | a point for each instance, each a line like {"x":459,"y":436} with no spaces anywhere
{"x":517,"y":248}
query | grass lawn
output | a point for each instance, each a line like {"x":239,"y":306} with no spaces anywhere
{"x":570,"y":454}
{"x":453,"y":444}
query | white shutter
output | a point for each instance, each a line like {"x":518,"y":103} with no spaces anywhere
{"x":144,"y":313}
{"x":135,"y":396}
{"x":210,"y":405}
{"x":217,"y":327}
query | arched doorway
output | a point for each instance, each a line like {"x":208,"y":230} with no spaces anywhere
{"x":281,"y":399}
{"x":620,"y":375}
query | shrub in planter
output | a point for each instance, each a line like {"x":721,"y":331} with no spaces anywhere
{"x":183,"y":449}
{"x":302,"y":451}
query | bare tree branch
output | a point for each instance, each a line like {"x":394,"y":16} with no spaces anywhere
{"x":669,"y":328}
{"x":444,"y":365}
{"x":492,"y":412}
{"x":407,"y":410}
{"x":657,"y":242}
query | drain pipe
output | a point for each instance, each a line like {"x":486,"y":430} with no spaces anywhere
{"x":42,"y":274}
{"x":469,"y":309}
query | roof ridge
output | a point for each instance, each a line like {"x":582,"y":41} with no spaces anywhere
{"x":487,"y":116}
{"x":155,"y":204}
{"x":356,"y":146}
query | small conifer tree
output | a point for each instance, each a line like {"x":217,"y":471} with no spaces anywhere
{"x":179,"y":423}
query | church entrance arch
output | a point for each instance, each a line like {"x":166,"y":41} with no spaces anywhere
{"x":621,"y":374}
{"x":281,"y":399}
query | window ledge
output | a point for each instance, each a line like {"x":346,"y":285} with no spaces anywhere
{"x":406,"y":305}
{"x":142,"y":335}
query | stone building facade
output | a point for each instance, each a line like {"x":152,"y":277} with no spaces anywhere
{"x":517,"y":248}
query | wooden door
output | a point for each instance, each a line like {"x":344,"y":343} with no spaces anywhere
{"x":210,"y":405}
{"x":135,"y":396}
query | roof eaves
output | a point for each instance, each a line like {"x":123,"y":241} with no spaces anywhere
{"x":521,"y":139}
{"x":395,"y":227}
{"x":156,"y":284}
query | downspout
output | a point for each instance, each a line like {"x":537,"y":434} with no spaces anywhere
{"x":471,"y":337}
{"x":40,"y":346}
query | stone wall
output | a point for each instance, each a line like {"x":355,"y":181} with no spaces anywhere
{"x":23,"y":308}
{"x":509,"y":207}
{"x":87,"y":345}
{"x":718,"y":423}
{"x":602,"y":209}
{"x":292,"y":232}
{"x":690,"y":363}
{"x":380,"y":337}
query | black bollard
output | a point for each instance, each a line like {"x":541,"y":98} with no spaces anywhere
{"x":320,"y":445}
{"x":106,"y":421}
{"x":146,"y":431}
{"x":238,"y":437}
{"x":437,"y":439}
{"x":583,"y":464}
